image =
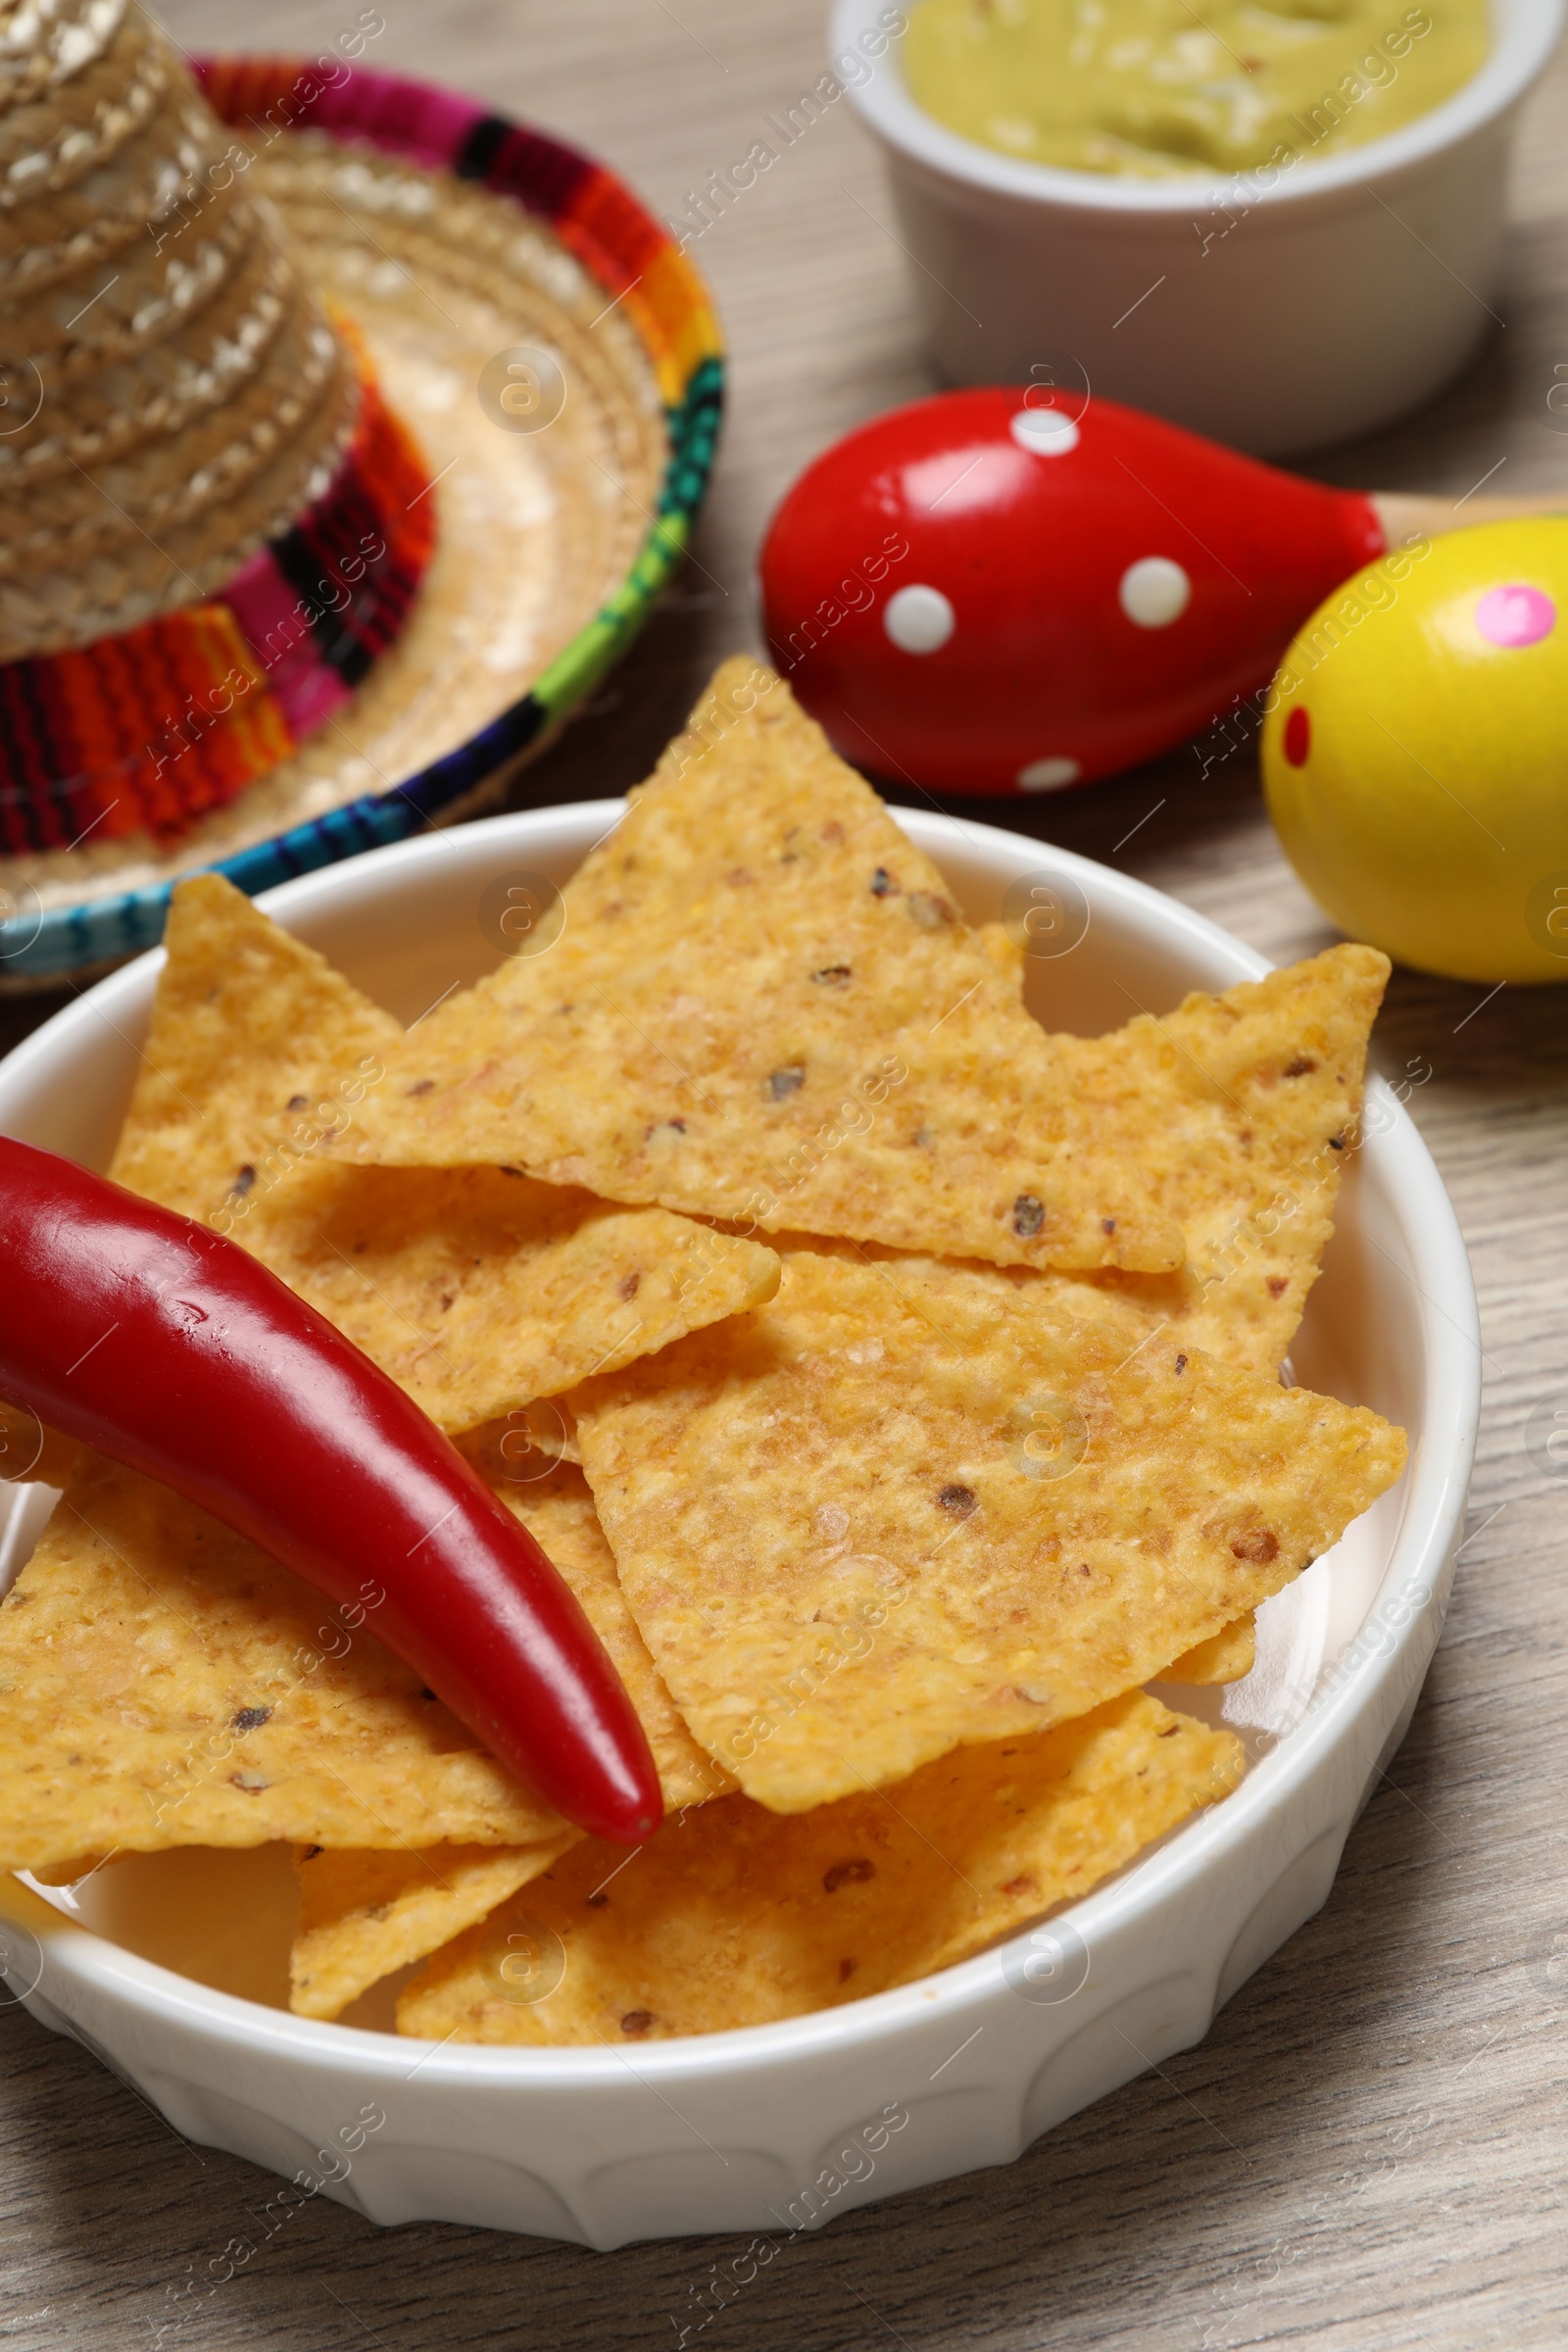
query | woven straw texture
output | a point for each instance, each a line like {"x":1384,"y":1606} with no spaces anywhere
{"x":173,"y":394}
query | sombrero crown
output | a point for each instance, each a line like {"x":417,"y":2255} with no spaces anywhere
{"x":210,"y":527}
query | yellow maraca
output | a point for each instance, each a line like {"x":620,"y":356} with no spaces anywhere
{"x":1415,"y":754}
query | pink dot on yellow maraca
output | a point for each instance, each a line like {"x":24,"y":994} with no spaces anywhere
{"x":1415,"y":759}
{"x":1515,"y":615}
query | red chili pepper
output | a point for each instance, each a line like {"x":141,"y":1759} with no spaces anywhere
{"x":167,"y":1348}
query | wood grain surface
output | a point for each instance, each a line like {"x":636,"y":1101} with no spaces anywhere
{"x":1370,"y":2150}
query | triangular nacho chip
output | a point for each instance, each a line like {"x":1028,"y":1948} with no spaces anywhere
{"x":734,"y":1917}
{"x":1239,"y":1111}
{"x":365,"y":1914}
{"x":882,"y":1516}
{"x":483,"y":1291}
{"x":259,"y":1058}
{"x":1005,"y":952}
{"x":162,"y":1683}
{"x":477,"y":1288}
{"x":557,"y":1508}
{"x":764,"y":1007}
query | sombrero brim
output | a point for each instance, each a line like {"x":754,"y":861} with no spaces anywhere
{"x":448,"y":235}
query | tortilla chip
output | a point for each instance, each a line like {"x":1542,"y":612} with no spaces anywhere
{"x":1201,"y":1103}
{"x":1239,"y":1111}
{"x":526,"y":1442}
{"x":259,"y":1058}
{"x":735,"y":1917}
{"x":72,"y":1873}
{"x":31,"y":1452}
{"x":1006,"y":953}
{"x":558,"y":1509}
{"x":878,"y":1518}
{"x":167,"y":1683}
{"x":764,"y":1007}
{"x":162,"y":1683}
{"x":1228,"y":1656}
{"x":363,"y":1915}
{"x":480,"y":1291}
{"x":477,"y":1289}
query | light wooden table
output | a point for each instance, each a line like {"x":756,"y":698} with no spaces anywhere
{"x":1370,"y":2150}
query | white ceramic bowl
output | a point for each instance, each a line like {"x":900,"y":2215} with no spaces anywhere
{"x":174,"y":1967}
{"x":1276,"y":314}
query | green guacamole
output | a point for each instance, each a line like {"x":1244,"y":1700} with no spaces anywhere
{"x":1162,"y":87}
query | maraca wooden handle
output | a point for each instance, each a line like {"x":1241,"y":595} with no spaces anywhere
{"x":1404,"y":517}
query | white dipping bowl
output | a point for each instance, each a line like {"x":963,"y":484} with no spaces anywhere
{"x":174,"y":1967}
{"x":1276,"y":314}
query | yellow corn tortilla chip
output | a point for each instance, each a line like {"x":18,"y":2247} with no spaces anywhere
{"x":1240,"y":1112}
{"x":764,"y":1007}
{"x":1273,"y":1069}
{"x":1005,"y":952}
{"x":259,"y":1058}
{"x":735,"y":1917}
{"x":523,"y":1445}
{"x":165,"y":1683}
{"x":879,"y":1517}
{"x":557,"y":1508}
{"x":480,"y":1291}
{"x":1228,"y":1656}
{"x":363,"y":1915}
{"x":477,"y":1288}
{"x":162,"y":1683}
{"x":370,"y":1913}
{"x":31,"y":1452}
{"x":72,"y":1873}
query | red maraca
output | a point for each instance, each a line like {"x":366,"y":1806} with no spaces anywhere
{"x":985,"y":595}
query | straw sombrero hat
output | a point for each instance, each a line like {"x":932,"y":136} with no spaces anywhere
{"x":347,"y":433}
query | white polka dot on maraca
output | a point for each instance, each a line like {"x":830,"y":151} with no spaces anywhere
{"x":1153,"y":592}
{"x":1045,"y":432}
{"x":920,"y":619}
{"x":1048,"y":776}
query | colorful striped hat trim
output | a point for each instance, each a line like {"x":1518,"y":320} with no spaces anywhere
{"x":147,"y":729}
